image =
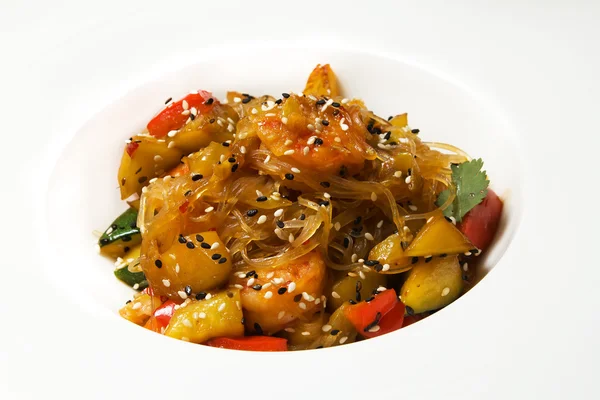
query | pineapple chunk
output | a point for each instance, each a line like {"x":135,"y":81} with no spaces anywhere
{"x":322,"y":82}
{"x":389,"y":251}
{"x":437,"y":237}
{"x":200,"y":320}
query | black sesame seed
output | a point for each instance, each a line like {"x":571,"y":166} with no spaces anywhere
{"x":190,"y":245}
{"x":334,"y":332}
{"x":358,"y":297}
{"x":181,"y":239}
{"x":234,"y":167}
{"x":370,"y":298}
{"x":222,"y":260}
{"x":289,"y":177}
{"x":252,"y":212}
{"x":409,"y":171}
{"x":323,"y":203}
{"x":197,"y":177}
{"x":335,"y":104}
{"x":138,"y":171}
{"x":104,"y":241}
{"x":126,"y":238}
{"x":188,"y":290}
{"x":225,"y":144}
{"x":371,"y":263}
{"x":324,"y":122}
{"x":281,"y":290}
{"x":302,"y":217}
{"x":448,"y":219}
{"x":388,"y":136}
{"x":410,"y":311}
{"x":343,"y":171}
{"x":231,"y":159}
{"x":215,"y":256}
{"x":257,"y":328}
{"x":318,"y":141}
{"x":187,"y":193}
{"x":201,"y":296}
{"x":320,"y":102}
{"x":158,"y":263}
{"x":168,"y":100}
{"x":357,"y":220}
{"x":359,"y":286}
{"x":390,"y":117}
{"x":246,"y":100}
{"x":404,"y":245}
{"x":285,"y":95}
{"x":414,"y":260}
{"x":255,"y":276}
{"x":192,"y":117}
{"x":379,"y":268}
{"x":278,"y":101}
{"x":261,"y":198}
{"x":142,"y":179}
{"x":428,"y":259}
{"x":280,"y":224}
{"x":351,"y":302}
{"x":257,"y":287}
{"x":325,"y":184}
{"x":199,"y":238}
{"x":297,"y":298}
{"x":209,"y":101}
{"x":126,"y":249}
{"x":212,"y":121}
{"x":205,"y":245}
{"x":415,"y":131}
{"x":229,"y":294}
{"x":346,"y":242}
{"x":249,"y":274}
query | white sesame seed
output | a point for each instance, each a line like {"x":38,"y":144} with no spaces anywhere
{"x":386,"y":267}
{"x":337,"y":226}
{"x":361,"y":260}
{"x":215,"y":246}
{"x":266,"y":285}
{"x":177,"y":268}
{"x":208,"y":296}
{"x":241,"y":275}
{"x":209,"y":209}
{"x":344,"y":100}
{"x":182,"y":294}
{"x":243,"y":149}
{"x":453,"y":220}
{"x":262,"y":219}
{"x":311,"y":140}
{"x":354,"y":257}
{"x":327,"y":104}
{"x":291,"y":287}
{"x":467,"y":253}
{"x":362,"y":275}
{"x":412,"y":207}
{"x":270,"y":275}
{"x":290,"y":330}
{"x":343,"y":340}
{"x":373,"y":196}
{"x":317,"y":301}
{"x":288,"y":142}
{"x":187,"y":323}
{"x":307,"y":296}
{"x":302,"y":305}
{"x":152,"y":180}
{"x":284,"y":120}
{"x":408,"y":179}
{"x":222,"y":158}
{"x":237,"y":100}
{"x":295,"y":170}
{"x":281,"y":314}
{"x":277,"y":281}
{"x":230,"y":128}
{"x":278,"y":213}
{"x":306,"y":150}
{"x":185,"y":105}
{"x":171,"y":145}
{"x":221,"y":307}
{"x":238,"y":305}
{"x":374,"y":329}
{"x":186,"y":112}
{"x":268,"y":294}
{"x":201,"y":315}
{"x":445,"y":291}
{"x":381,"y":289}
{"x":344,"y":127}
{"x":335,"y":295}
{"x":259,"y":193}
{"x":137,"y":305}
{"x":398,"y":174}
{"x":220,"y":122}
{"x":406,"y":229}
{"x":238,"y":286}
{"x":368,"y":236}
{"x":254,"y":111}
{"x":291,"y":238}
{"x":166,"y":282}
{"x":337,"y":139}
{"x":288,"y":152}
{"x":326,"y":195}
{"x":250,"y":282}
{"x":465,"y":267}
{"x":306,"y":333}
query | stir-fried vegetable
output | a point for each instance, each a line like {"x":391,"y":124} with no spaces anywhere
{"x":274,"y":224}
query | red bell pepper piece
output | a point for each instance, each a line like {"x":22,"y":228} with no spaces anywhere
{"x":480,"y":224}
{"x":251,"y":343}
{"x":131,"y":148}
{"x":391,"y":321}
{"x":366,"y":315}
{"x":411,"y":319}
{"x":163,"y":314}
{"x":173,"y":116}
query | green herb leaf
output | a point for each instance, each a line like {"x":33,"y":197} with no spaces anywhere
{"x":471,"y":188}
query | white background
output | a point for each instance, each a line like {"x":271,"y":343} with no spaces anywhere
{"x":62,"y":61}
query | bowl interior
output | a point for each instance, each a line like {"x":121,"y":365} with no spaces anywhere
{"x":83,"y":192}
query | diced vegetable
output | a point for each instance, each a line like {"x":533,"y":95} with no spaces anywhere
{"x":411,"y":319}
{"x":203,"y":161}
{"x":338,"y":330}
{"x":139,"y":310}
{"x":175,"y":115}
{"x":390,"y":322}
{"x":121,"y":236}
{"x":301,"y":334}
{"x":366,"y":315}
{"x":389,"y":251}
{"x":322,"y":82}
{"x":250,"y":343}
{"x":432,"y":285}
{"x":150,"y":159}
{"x":438,"y":237}
{"x":354,"y":288}
{"x":130,"y":271}
{"x":161,"y":317}
{"x":481,"y":223}
{"x":200,"y":320}
{"x":200,"y":261}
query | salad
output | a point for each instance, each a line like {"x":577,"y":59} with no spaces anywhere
{"x":300,"y":221}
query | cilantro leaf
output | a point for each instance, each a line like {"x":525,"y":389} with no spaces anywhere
{"x":471,"y":188}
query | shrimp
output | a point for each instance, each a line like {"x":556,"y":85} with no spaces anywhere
{"x":281,"y":295}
